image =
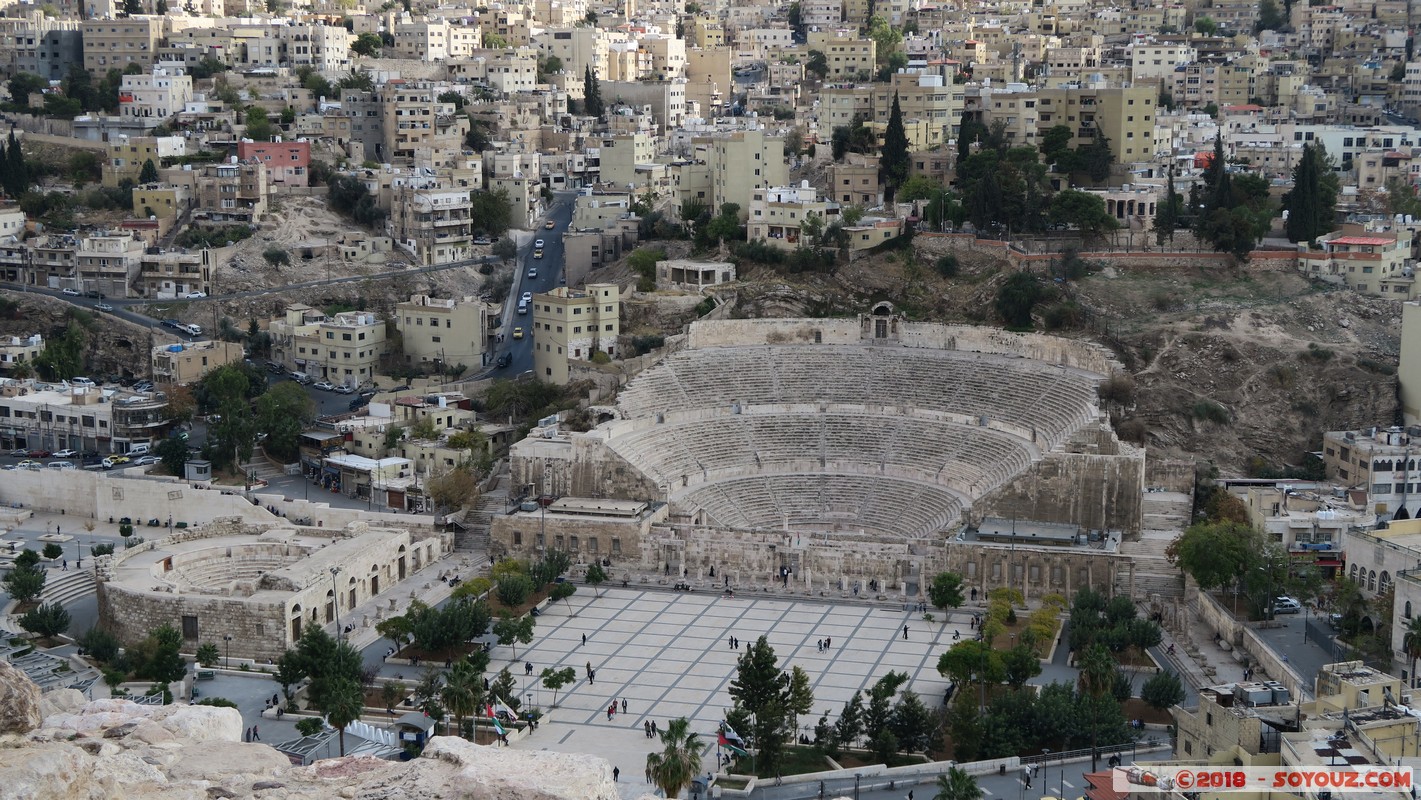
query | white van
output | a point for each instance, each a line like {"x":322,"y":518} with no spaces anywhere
{"x":138,"y":449}
{"x":301,"y":378}
{"x":193,"y":330}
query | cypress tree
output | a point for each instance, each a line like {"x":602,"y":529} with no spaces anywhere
{"x":1167,"y":214}
{"x":592,"y":93}
{"x":893,"y":160}
{"x":1303,"y":201}
{"x":1217,"y":178}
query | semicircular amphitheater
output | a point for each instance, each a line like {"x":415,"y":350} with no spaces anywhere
{"x":888,"y":441}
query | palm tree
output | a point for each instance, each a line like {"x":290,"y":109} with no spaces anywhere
{"x":343,"y":700}
{"x":1411,"y":643}
{"x":673,"y":768}
{"x":1097,"y":671}
{"x":462,"y":692}
{"x":957,"y":784}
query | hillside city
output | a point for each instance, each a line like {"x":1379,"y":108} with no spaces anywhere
{"x":425,"y":400}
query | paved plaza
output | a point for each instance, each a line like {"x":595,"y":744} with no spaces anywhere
{"x":668,"y":655}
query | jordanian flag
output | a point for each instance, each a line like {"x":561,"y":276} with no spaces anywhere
{"x":498,"y":727}
{"x":731,"y":740}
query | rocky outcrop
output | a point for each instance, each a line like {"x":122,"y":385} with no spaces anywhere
{"x":115,"y":748}
{"x":19,"y":701}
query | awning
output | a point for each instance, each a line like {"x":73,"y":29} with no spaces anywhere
{"x":1328,"y":562}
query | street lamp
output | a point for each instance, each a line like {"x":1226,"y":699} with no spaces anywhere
{"x":857,"y":776}
{"x":335,"y":600}
{"x":227,"y":637}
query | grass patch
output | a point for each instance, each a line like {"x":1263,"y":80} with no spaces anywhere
{"x":797,"y":760}
{"x":1210,"y":411}
{"x":852,"y":760}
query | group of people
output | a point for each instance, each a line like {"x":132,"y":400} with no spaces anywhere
{"x":825,"y":643}
{"x":649,"y":726}
{"x":612,"y":707}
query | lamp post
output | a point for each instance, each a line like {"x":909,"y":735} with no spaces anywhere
{"x":227,"y":637}
{"x":335,"y":601}
{"x":857,"y":776}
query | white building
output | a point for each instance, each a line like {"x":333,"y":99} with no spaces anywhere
{"x":152,"y":98}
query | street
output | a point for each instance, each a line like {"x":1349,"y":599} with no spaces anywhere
{"x":550,"y":270}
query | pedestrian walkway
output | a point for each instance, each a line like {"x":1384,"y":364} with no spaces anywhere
{"x":668,"y":654}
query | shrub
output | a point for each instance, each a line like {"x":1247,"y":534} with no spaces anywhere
{"x":125,"y":530}
{"x":220,"y":702}
{"x":276,"y":256}
{"x":1316,"y":354}
{"x":1379,"y":367}
{"x":49,"y":619}
{"x":1118,"y":388}
{"x":53,"y":551}
{"x":1210,"y":411}
{"x":101,"y":645}
{"x":948,"y":266}
{"x":1066,"y":314}
{"x":105,"y":549}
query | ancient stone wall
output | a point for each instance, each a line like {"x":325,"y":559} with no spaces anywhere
{"x":968,"y":244}
{"x":579,"y":466}
{"x":1095,"y":490}
{"x":586,"y":538}
{"x":256,"y":628}
{"x":90,"y":494}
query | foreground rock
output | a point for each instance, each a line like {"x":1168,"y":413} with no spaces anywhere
{"x":115,"y":749}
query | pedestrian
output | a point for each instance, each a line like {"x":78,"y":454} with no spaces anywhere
{"x":730,"y":640}
{"x":589,"y":669}
{"x":828,"y":643}
{"x":905,"y":633}
{"x":592,"y":678}
{"x":646,"y":728}
{"x":256,"y":734}
{"x":654,"y":731}
{"x":611,"y":709}
{"x":65,"y":568}
{"x":246,"y":734}
{"x":820,"y":645}
{"x":624,"y":705}
{"x":956,"y":634}
{"x":584,"y":640}
{"x":910,"y":794}
{"x":527,"y":668}
{"x":616,"y":773}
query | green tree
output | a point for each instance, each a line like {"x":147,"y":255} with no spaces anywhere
{"x":893,"y":161}
{"x":513,"y":631}
{"x":282,"y":414}
{"x":592,"y":93}
{"x":957,"y":784}
{"x":913,"y":724}
{"x":945,"y":591}
{"x":1270,"y":18}
{"x":761,"y":689}
{"x":1206,"y":25}
{"x":555,"y":679}
{"x":1167,"y":213}
{"x":513,"y":590}
{"x":1097,"y":671}
{"x":208,"y":654}
{"x":1411,"y":644}
{"x":493,"y":211}
{"x":52,"y":551}
{"x":349,"y":197}
{"x":24,"y":84}
{"x":24,"y":584}
{"x":1017,"y":297}
{"x":149,"y":173}
{"x":1163,"y":690}
{"x":1096,"y":158}
{"x":463,"y":692}
{"x":63,"y":356}
{"x":367,"y":44}
{"x":47,"y":620}
{"x":1021,"y":665}
{"x":849,"y":727}
{"x":1055,"y":143}
{"x":1310,"y":204}
{"x":595,"y":577}
{"x":971,"y":661}
{"x":173,"y":452}
{"x":1214,"y":554}
{"x":817,"y":64}
{"x":679,"y":760}
{"x":801,"y":695}
{"x":259,"y":127}
{"x":342,"y":702}
{"x":1082,"y":210}
{"x":562,"y":591}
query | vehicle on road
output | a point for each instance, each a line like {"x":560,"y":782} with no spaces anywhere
{"x":344,"y":389}
{"x":146,"y":461}
{"x":70,"y":292}
{"x":359,"y":402}
{"x":518,"y":333}
{"x":527,"y":297}
{"x":172,"y":323}
{"x":275,"y":367}
{"x":324,"y":386}
{"x":29,"y":464}
{"x":66,"y":453}
{"x":103,"y":307}
{"x":504,"y":359}
{"x":143,"y":386}
{"x":538,"y":253}
{"x":39,"y":452}
{"x":549,"y":225}
{"x":532,"y":272}
{"x":61,"y":465}
{"x":195,"y":295}
{"x":192,"y":330}
{"x":483,"y":240}
{"x":113,"y":461}
{"x":538,"y":244}
{"x":1286,"y":605}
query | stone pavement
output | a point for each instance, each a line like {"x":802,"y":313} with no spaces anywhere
{"x":667,"y":653}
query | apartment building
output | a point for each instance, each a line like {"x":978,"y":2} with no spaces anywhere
{"x":34,"y":415}
{"x":324,"y":48}
{"x":16,"y":351}
{"x":188,"y":362}
{"x":419,"y":128}
{"x":163,"y":202}
{"x":777,"y":215}
{"x":344,"y":349}
{"x":628,"y":160}
{"x":127,"y":154}
{"x":148,"y":99}
{"x":507,"y":71}
{"x":449,"y":331}
{"x":116,"y":43}
{"x":173,"y":274}
{"x":1124,"y":114}
{"x":1370,"y":258}
{"x":287,"y":164}
{"x":232,"y":192}
{"x":931,"y":99}
{"x":741,"y":162}
{"x":42,"y":46}
{"x":1157,"y":60}
{"x":107,"y":264}
{"x":434,"y":225}
{"x":854,"y":181}
{"x":573,"y":325}
{"x":847,"y":54}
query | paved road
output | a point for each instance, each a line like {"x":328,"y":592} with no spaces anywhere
{"x":550,"y":274}
{"x":1302,"y":654}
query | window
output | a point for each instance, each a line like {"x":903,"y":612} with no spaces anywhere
{"x":189,"y":627}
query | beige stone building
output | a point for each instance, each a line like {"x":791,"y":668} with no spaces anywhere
{"x":18,"y":350}
{"x":847,"y":54}
{"x":433,"y":225}
{"x":116,"y":43}
{"x":172,"y":274}
{"x":1125,"y":115}
{"x":344,"y":349}
{"x":127,"y":154}
{"x":107,"y":264}
{"x":693,"y":276}
{"x":188,"y":362}
{"x":232,"y":192}
{"x":446,"y":330}
{"x":573,"y":325}
{"x":778,"y":214}
{"x":1370,"y":258}
{"x":149,"y":98}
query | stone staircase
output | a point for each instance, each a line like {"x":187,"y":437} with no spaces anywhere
{"x":478,"y":519}
{"x":264,"y":470}
{"x":66,"y":587}
{"x":1165,"y":515}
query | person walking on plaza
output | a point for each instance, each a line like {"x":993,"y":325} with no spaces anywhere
{"x":905,"y":633}
{"x":624,"y":705}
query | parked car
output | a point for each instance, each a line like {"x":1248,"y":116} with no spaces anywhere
{"x":103,"y":307}
{"x":195,"y":295}
{"x":70,"y":292}
{"x":143,"y":386}
{"x":61,"y":465}
{"x":359,"y":402}
{"x":29,"y":464}
{"x":145,"y":461}
{"x":171,"y":323}
{"x":39,"y":452}
{"x":19,"y":453}
{"x":66,"y":453}
{"x":1286,"y":605}
{"x":344,"y":389}
{"x":504,"y":359}
{"x":324,"y":386}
